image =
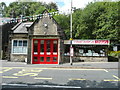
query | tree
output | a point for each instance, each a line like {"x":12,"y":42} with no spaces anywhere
{"x":2,"y":8}
{"x":64,"y":22}
{"x":16,"y":9}
{"x":99,"y":20}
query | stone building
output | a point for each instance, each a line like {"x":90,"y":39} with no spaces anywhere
{"x":37,"y":42}
{"x":5,"y":29}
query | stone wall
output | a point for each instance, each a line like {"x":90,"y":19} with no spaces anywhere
{"x":86,"y":59}
{"x":18,"y":58}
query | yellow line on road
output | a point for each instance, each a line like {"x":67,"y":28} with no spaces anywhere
{"x":8,"y":77}
{"x":1,"y":71}
{"x":43,"y":78}
{"x":116,"y":77}
{"x":14,"y":67}
{"x":5,"y":70}
{"x":77,"y":79}
{"x":112,"y":80}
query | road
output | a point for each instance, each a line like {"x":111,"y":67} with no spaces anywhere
{"x":80,"y":77}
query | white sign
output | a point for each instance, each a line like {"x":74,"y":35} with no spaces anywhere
{"x":71,"y":51}
{"x":114,"y":48}
{"x":88,"y":42}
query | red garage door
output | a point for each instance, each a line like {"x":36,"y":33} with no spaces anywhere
{"x":45,"y":51}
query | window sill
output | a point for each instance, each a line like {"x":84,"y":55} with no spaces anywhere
{"x":19,"y":53}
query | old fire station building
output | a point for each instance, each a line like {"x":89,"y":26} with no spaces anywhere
{"x":43,"y":42}
{"x":38,"y":42}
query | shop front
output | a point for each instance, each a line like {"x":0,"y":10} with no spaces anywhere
{"x":88,"y":50}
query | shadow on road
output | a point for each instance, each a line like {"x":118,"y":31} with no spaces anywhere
{"x":72,"y":83}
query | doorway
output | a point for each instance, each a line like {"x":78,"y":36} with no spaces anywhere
{"x":45,"y":51}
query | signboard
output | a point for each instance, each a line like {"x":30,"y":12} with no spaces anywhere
{"x":71,"y":51}
{"x":88,"y":42}
{"x":115,"y":48}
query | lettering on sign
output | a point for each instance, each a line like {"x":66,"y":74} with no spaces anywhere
{"x":88,"y":42}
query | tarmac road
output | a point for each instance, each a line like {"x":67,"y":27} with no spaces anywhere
{"x":80,"y":75}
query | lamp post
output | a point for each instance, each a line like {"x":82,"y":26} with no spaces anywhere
{"x":71,"y":48}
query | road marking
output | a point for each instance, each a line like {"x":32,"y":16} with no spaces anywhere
{"x":25,"y":74}
{"x":106,"y":70}
{"x":28,"y":72}
{"x":59,"y":68}
{"x":6,"y":69}
{"x":43,"y":78}
{"x":1,"y":71}
{"x":48,"y":86}
{"x":8,"y":77}
{"x":116,"y":77}
{"x":77,"y":79}
{"x":14,"y":67}
{"x":112,"y":80}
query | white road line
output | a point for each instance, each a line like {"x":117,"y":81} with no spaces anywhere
{"x":49,"y":86}
{"x":77,"y":79}
{"x":43,"y":78}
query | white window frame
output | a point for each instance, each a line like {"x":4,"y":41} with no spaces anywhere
{"x":19,"y":46}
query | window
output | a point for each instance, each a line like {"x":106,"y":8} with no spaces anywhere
{"x":42,"y":46}
{"x":55,"y":46}
{"x":19,"y":47}
{"x":35,"y":47}
{"x":48,"y":46}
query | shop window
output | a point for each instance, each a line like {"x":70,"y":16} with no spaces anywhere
{"x":87,"y":50}
{"x":19,"y":47}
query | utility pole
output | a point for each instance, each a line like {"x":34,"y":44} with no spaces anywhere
{"x":71,"y":48}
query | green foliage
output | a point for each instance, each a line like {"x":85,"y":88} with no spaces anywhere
{"x":99,"y":20}
{"x":64,"y":22}
{"x":2,"y":8}
{"x":16,"y":9}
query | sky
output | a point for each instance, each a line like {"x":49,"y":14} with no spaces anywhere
{"x":63,"y":5}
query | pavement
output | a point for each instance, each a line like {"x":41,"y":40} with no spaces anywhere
{"x":91,"y":65}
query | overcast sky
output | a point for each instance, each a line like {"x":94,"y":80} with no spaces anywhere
{"x":63,"y":5}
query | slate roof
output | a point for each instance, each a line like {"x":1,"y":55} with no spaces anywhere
{"x":21,"y":27}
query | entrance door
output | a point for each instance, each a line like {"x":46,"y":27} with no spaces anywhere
{"x":45,"y":51}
